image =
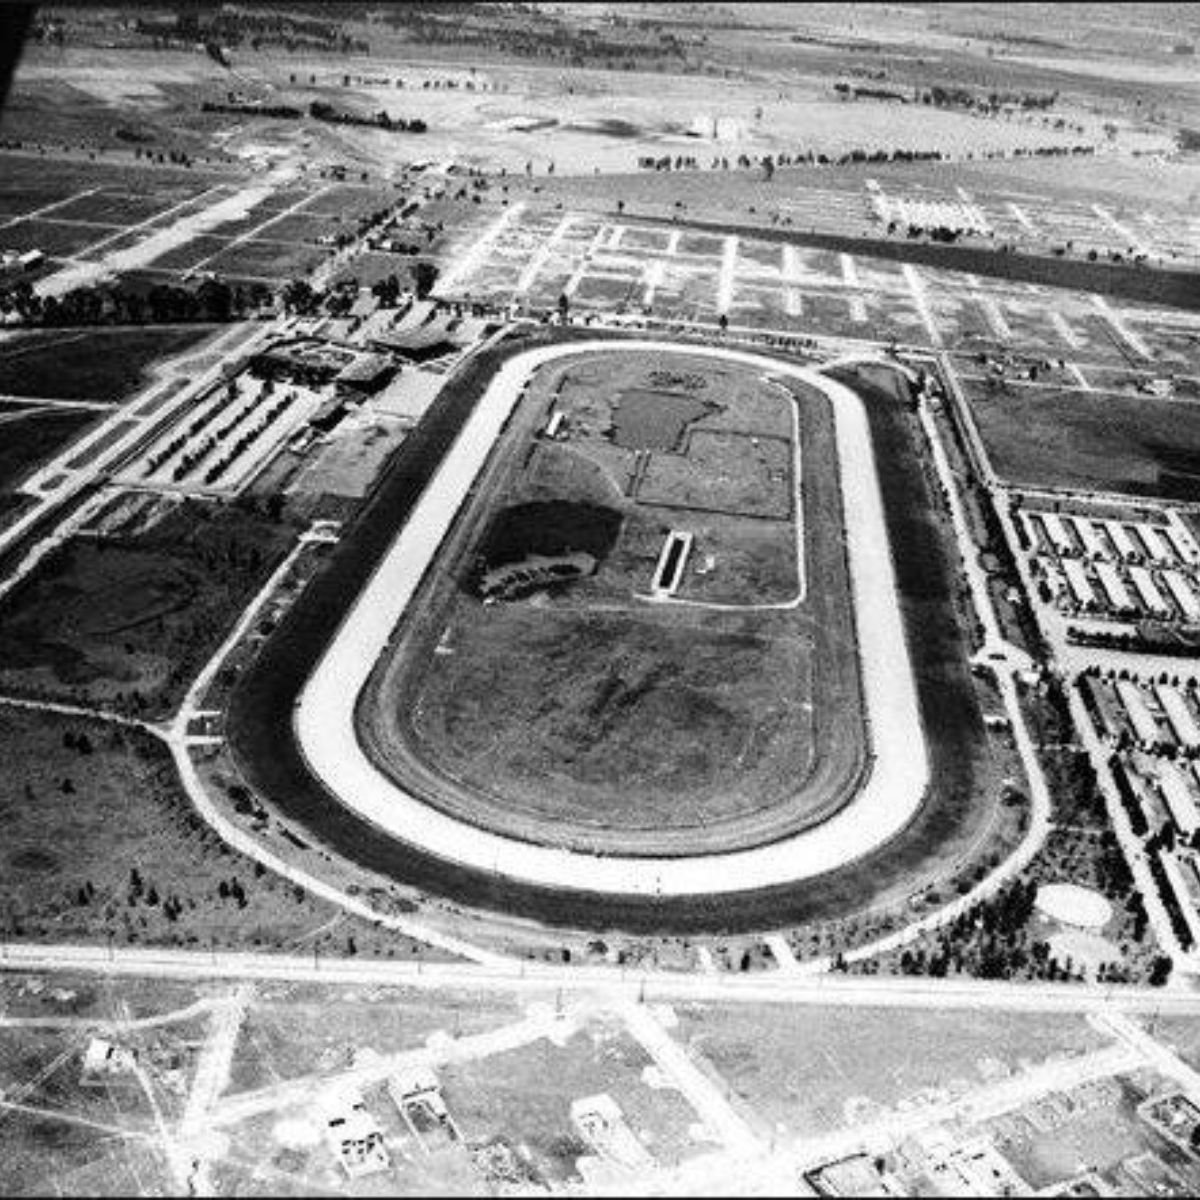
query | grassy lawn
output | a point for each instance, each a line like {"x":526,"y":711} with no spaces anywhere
{"x":27,"y":442}
{"x":35,"y":181}
{"x":130,"y":621}
{"x":90,"y":364}
{"x":268,"y":259}
{"x":99,"y":840}
{"x":1136,"y":444}
{"x":814,"y":1071}
{"x":292,"y":1034}
{"x":619,"y":720}
{"x":525,"y":1094}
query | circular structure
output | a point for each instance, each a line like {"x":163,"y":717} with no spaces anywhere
{"x":1073,"y":905}
{"x":895,"y":782}
{"x":618,"y":650}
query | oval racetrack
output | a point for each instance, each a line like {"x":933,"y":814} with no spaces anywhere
{"x":890,"y":798}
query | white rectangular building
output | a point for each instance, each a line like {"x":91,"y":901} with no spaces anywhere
{"x":1159,"y":550}
{"x":1179,"y":798}
{"x":1179,"y":588}
{"x":1077,"y":580}
{"x":1125,"y":545}
{"x":1053,"y":576}
{"x":1182,"y":540}
{"x":1037,"y":537}
{"x":1093,"y":544}
{"x":1152,"y":598}
{"x":1178,"y":713}
{"x":1114,"y":585}
{"x":1145,"y":727}
{"x":1058,"y":533}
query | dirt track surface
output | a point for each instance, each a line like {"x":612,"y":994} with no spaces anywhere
{"x":325,"y":717}
{"x":611,"y":725}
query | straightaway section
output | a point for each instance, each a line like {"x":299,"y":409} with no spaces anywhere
{"x":325,"y":714}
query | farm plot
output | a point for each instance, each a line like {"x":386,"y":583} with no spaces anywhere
{"x":107,"y":365}
{"x":349,"y":203}
{"x":34,"y":182}
{"x":56,"y":238}
{"x":116,"y":208}
{"x":299,"y":227}
{"x":766,"y":308}
{"x":835,"y":314}
{"x":266,"y":259}
{"x":190,"y":253}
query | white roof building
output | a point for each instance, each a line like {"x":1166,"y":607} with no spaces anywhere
{"x":1077,"y":580}
{"x":1179,"y":588}
{"x":1178,"y":713}
{"x":1126,"y":547}
{"x":1148,"y":590}
{"x":1179,"y":798}
{"x":1089,"y":536}
{"x":1114,"y":585}
{"x":1145,"y":727}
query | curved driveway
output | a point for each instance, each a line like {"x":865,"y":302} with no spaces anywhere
{"x":324,"y":717}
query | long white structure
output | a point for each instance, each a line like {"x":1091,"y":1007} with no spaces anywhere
{"x":1159,"y":551}
{"x":1038,"y":539}
{"x":1124,"y":544}
{"x":1152,"y":598}
{"x":1089,"y":536}
{"x":887,"y":801}
{"x":1179,"y":714}
{"x":1179,"y":798}
{"x":1114,"y":585}
{"x":1144,"y":725}
{"x":1182,"y":538}
{"x":1182,"y":592}
{"x":1058,"y":533}
{"x":671,"y":563}
{"x":1080,"y":585}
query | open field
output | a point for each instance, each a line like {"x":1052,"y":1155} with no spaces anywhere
{"x":90,"y":364}
{"x":622,"y":725}
{"x":29,"y":436}
{"x":130,"y":620}
{"x":525,"y":1096}
{"x":293,"y":1030}
{"x":1070,"y":438}
{"x":57,"y":239}
{"x":115,"y":191}
{"x":839,"y":1069}
{"x":101,"y":842}
{"x":266,"y":259}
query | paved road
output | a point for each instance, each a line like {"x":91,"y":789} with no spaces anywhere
{"x":774,"y":987}
{"x":701,"y":1092}
{"x":325,"y":719}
